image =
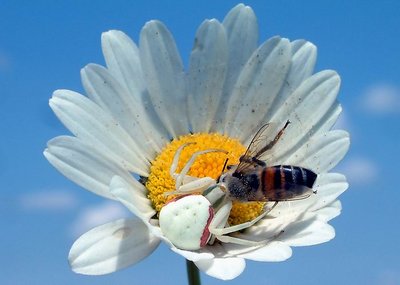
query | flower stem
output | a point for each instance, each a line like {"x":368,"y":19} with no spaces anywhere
{"x":193,"y":273}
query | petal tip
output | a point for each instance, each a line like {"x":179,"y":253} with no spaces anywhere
{"x":242,"y":8}
{"x":110,"y":33}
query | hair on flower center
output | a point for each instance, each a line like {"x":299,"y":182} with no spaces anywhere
{"x":206,"y":165}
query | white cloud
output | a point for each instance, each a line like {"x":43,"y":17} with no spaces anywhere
{"x":48,"y":201}
{"x":382,"y":98}
{"x":93,"y":216}
{"x":359,"y":170}
{"x":388,"y":277}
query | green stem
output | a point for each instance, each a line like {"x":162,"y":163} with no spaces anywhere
{"x":193,"y":273}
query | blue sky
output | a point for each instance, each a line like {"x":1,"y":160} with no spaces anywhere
{"x":43,"y":46}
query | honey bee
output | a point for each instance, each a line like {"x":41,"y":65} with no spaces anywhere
{"x":253,"y":180}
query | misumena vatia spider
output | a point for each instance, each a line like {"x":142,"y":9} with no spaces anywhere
{"x":194,"y":220}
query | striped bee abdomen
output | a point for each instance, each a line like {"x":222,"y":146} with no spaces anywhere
{"x":287,"y":182}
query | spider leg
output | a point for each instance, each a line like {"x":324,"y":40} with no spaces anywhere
{"x":220,"y":219}
{"x":223,"y":231}
{"x":240,"y":241}
{"x":195,"y":186}
{"x":175,"y":160}
{"x":235,"y":240}
{"x":185,"y":169}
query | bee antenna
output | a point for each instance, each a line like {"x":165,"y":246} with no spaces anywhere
{"x":226,"y":161}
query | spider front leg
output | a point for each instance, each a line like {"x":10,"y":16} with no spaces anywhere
{"x":196,"y":185}
{"x":175,"y":160}
{"x":186,"y":168}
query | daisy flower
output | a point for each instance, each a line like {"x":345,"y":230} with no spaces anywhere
{"x":149,"y":129}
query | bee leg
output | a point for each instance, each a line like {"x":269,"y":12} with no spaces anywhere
{"x":259,"y":162}
{"x":275,"y":140}
{"x":239,"y":227}
{"x":185,"y":170}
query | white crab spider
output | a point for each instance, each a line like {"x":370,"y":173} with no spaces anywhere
{"x":192,"y":220}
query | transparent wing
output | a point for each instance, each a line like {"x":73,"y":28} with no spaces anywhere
{"x":291,"y":192}
{"x":262,"y":142}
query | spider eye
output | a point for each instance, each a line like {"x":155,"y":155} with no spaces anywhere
{"x":229,"y":167}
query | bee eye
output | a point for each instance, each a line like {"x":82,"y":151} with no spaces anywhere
{"x":237,"y":175}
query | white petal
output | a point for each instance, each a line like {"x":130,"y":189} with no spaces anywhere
{"x":322,"y":152}
{"x":330,"y":211}
{"x":123,"y":60}
{"x":109,"y":94}
{"x":97,"y":128}
{"x":329,"y":186}
{"x":242,"y":34}
{"x":155,"y":230}
{"x":259,"y":82}
{"x":222,"y":268}
{"x":83,"y":164}
{"x":111,"y":247}
{"x":331,"y":117}
{"x":242,"y":31}
{"x":272,"y":252}
{"x":304,"y":55}
{"x":132,"y":196}
{"x":193,"y":255}
{"x":269,"y":228}
{"x":293,"y":210}
{"x":164,"y":74}
{"x":306,"y":109}
{"x":307,"y":232}
{"x":207,"y":69}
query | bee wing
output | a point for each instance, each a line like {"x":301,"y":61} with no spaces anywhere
{"x":291,"y":192}
{"x":262,"y":142}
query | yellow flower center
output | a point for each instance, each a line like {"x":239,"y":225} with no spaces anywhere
{"x":205,"y":165}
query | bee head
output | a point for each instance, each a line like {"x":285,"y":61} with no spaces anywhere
{"x":238,"y":175}
{"x":233,"y":183}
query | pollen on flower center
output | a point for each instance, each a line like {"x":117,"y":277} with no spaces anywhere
{"x":206,"y":165}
